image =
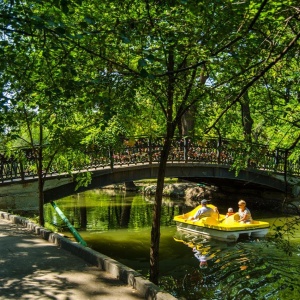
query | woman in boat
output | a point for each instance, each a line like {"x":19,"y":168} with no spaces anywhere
{"x":244,"y":213}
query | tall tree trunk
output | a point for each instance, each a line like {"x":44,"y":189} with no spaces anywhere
{"x":170,"y":127}
{"x":41,"y":198}
{"x":40,"y":178}
{"x":155,"y":232}
{"x":246,"y":117}
{"x":188,"y":120}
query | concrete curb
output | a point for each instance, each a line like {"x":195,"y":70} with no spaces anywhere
{"x":127,"y":275}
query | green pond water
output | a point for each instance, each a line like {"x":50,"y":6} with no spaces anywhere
{"x":118,"y":225}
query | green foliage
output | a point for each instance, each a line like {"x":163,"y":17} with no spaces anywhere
{"x":283,"y":233}
{"x":83,"y":179}
{"x":82,"y":73}
{"x":113,"y":59}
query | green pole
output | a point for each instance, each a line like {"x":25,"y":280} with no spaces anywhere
{"x":72,"y":229}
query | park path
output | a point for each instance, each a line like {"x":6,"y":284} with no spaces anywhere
{"x":33,"y":268}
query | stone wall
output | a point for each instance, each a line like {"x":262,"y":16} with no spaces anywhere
{"x":18,"y":196}
{"x":194,"y":193}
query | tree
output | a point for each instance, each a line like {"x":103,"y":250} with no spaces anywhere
{"x":193,"y":63}
{"x":44,"y":102}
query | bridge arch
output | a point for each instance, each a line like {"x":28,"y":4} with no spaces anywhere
{"x":106,"y":176}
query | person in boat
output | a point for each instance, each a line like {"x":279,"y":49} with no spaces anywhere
{"x":203,"y":211}
{"x":244,"y":213}
{"x":229,"y":212}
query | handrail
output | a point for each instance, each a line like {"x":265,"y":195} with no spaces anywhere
{"x":75,"y":233}
{"x":144,"y":150}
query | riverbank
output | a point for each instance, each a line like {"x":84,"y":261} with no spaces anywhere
{"x":39,"y":264}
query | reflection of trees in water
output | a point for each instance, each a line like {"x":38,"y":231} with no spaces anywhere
{"x":242,"y":271}
{"x":125,"y":216}
{"x":110,"y":212}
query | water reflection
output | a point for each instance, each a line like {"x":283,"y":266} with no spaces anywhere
{"x":191,"y":267}
{"x":250,"y":269}
{"x":96,"y":211}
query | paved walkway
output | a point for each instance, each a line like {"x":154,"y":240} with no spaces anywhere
{"x":33,"y":268}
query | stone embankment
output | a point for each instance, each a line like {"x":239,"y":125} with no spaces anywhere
{"x":30,"y":259}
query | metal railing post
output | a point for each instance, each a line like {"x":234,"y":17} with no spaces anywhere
{"x":150,"y":150}
{"x":186,"y":149}
{"x":219,"y":143}
{"x":22,"y":171}
{"x":111,"y":157}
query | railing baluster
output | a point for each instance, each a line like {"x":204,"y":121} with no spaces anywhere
{"x":111,"y":157}
{"x":22,"y":171}
{"x":186,"y":149}
{"x":150,"y":150}
{"x":219,"y":142}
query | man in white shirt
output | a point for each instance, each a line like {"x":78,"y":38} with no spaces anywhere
{"x":203,"y":211}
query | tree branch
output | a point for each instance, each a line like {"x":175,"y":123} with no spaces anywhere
{"x":250,"y":27}
{"x":294,"y":144}
{"x":256,"y":78}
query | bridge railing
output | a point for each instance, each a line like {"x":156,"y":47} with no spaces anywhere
{"x":236,"y":154}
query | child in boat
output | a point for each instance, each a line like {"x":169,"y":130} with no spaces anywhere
{"x":230,"y":212}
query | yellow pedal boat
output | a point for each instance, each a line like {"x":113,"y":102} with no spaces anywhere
{"x":219,"y":227}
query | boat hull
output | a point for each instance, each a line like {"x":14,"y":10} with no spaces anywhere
{"x":221,"y":235}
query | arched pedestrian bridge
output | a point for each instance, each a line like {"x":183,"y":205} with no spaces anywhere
{"x":208,"y":160}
